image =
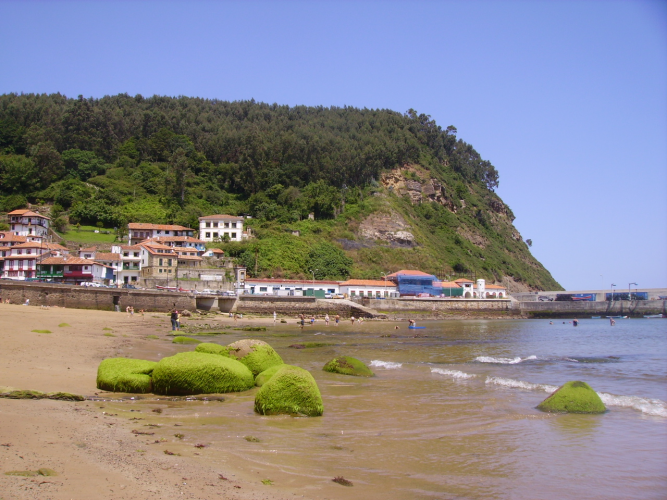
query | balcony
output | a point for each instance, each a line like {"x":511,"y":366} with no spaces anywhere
{"x":130,"y":267}
{"x":49,"y":274}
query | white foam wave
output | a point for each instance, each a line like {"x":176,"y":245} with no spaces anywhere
{"x":387,"y":365}
{"x":653,"y":407}
{"x":520,"y":384}
{"x":503,"y":361}
{"x":452,"y":373}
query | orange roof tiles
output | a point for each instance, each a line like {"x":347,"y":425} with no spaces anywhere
{"x":495,"y":287}
{"x":162,"y":227}
{"x":107,"y":256}
{"x":67,"y":261}
{"x":27,"y":213}
{"x":446,"y":284}
{"x":188,"y":239}
{"x":8,"y":236}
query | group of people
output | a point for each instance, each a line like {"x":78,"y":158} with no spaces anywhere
{"x":175,"y":320}
{"x":302,"y":319}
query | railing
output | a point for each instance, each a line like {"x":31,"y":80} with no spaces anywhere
{"x":48,"y":274}
{"x":127,"y":267}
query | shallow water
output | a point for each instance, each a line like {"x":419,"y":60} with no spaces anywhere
{"x":450,"y":413}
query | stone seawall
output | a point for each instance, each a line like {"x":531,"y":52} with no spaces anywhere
{"x":293,"y":306}
{"x":433,"y":308}
{"x":585,"y":309}
{"x":79,"y":297}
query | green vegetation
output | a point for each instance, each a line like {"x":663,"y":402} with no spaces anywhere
{"x":347,"y":365}
{"x":257,"y":355}
{"x":64,"y":325}
{"x":200,"y":373}
{"x":293,"y":391}
{"x":41,"y":331}
{"x":573,"y":397}
{"x":125,"y":375}
{"x":31,"y":473}
{"x":109,"y":334}
{"x":105,"y":162}
{"x":211,"y":348}
{"x":185,"y":340}
{"x":266,"y":375}
{"x":10,"y":393}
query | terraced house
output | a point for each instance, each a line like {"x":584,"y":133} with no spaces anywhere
{"x":157,"y":260}
{"x":139,"y":231}
{"x":22,"y":262}
{"x":30,"y":224}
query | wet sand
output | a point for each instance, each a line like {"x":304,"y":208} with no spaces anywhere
{"x":95,"y":453}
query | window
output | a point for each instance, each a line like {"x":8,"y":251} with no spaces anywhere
{"x":353,"y":293}
{"x":263,"y":289}
{"x":233,"y":224}
{"x":226,"y":224}
{"x":126,"y":254}
{"x":160,"y":262}
{"x":208,"y":235}
{"x":215,"y":224}
{"x":233,"y":235}
{"x":136,"y":254}
{"x":208,"y":224}
{"x":215,"y":235}
{"x":160,"y":270}
{"x":169,"y":263}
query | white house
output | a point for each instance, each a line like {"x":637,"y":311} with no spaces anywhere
{"x":274,"y":286}
{"x":27,"y":223}
{"x":22,"y":262}
{"x":218,"y":227}
{"x":139,"y":231}
{"x":375,"y":289}
{"x":129,"y":267}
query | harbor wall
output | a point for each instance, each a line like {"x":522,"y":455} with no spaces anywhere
{"x":585,"y":309}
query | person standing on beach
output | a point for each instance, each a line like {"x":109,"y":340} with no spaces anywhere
{"x":612,"y":322}
{"x":337,"y":319}
{"x":275,"y":316}
{"x":302,"y":319}
{"x":174,"y":320}
{"x":326,"y":319}
{"x":352,"y":319}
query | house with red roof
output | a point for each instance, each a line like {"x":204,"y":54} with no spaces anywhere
{"x":24,"y":222}
{"x":21,"y":263}
{"x":139,"y":231}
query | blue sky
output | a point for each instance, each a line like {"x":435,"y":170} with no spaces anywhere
{"x":568,"y":99}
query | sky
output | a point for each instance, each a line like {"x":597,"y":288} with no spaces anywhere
{"x":567,"y":99}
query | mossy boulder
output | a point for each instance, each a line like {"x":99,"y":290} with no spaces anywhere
{"x":125,"y":375}
{"x":266,"y":375}
{"x":211,"y":348}
{"x":291,"y":390}
{"x":200,"y":373}
{"x":348,"y":365}
{"x":185,"y":340}
{"x":573,"y":397}
{"x":257,"y":355}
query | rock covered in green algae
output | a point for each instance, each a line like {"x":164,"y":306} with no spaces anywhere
{"x":200,"y":373}
{"x":125,"y":375}
{"x":185,"y":340}
{"x":266,"y":375}
{"x":348,"y":365}
{"x":291,"y":390}
{"x":573,"y":397}
{"x":211,"y":348}
{"x":257,"y":355}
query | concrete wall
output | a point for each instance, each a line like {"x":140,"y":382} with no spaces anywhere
{"x":587,"y":309}
{"x":431,"y":307}
{"x":293,"y":306}
{"x":79,"y":297}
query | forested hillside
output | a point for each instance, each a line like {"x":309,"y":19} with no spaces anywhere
{"x":170,"y":160}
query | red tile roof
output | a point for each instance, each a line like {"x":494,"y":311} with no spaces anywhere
{"x":67,"y":261}
{"x":185,"y":239}
{"x":37,"y":244}
{"x":28,"y":213}
{"x":107,"y":256}
{"x":8,"y":236}
{"x":162,"y":227}
{"x":495,"y":287}
{"x":376,"y":283}
{"x":289,"y":282}
{"x":446,"y":284}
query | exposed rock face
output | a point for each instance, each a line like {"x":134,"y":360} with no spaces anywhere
{"x":418,"y":191}
{"x":389,"y":227}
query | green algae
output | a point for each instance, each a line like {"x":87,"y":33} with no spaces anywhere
{"x":152,"y":337}
{"x":293,"y":391}
{"x":32,"y":473}
{"x":573,"y":397}
{"x":200,"y":373}
{"x":125,"y":375}
{"x":63,"y":325}
{"x":348,"y":365}
{"x":41,"y":331}
{"x":257,"y":355}
{"x":211,"y":348}
{"x":266,"y":375}
{"x":185,"y":340}
{"x":251,"y":439}
{"x":109,"y":334}
{"x":311,"y":345}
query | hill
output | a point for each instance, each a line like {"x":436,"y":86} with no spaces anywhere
{"x":386,"y":190}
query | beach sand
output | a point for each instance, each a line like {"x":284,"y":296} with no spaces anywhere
{"x":94,"y":453}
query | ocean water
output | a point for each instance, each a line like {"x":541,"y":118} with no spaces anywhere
{"x":451,"y":413}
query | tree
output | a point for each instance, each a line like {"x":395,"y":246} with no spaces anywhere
{"x":329,"y":262}
{"x":82,"y":165}
{"x":18,"y":174}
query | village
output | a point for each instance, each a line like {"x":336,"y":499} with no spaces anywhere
{"x":176,"y":258}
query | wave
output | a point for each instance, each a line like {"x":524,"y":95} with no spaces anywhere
{"x":503,"y":361}
{"x":654,"y":407}
{"x":387,"y":365}
{"x":453,"y":373}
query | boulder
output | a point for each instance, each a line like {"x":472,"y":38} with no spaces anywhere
{"x":291,"y":390}
{"x":211,"y":348}
{"x":573,"y":397}
{"x":266,"y":375}
{"x":348,"y":365}
{"x":200,"y":373}
{"x":257,"y":355}
{"x":125,"y":375}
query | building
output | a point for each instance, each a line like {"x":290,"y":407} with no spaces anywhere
{"x":182,"y":242}
{"x":7,"y":241}
{"x":30,"y":224}
{"x":139,"y":231}
{"x":275,"y":286}
{"x":414,"y":283}
{"x":214,"y":252}
{"x":23,"y":259}
{"x":157,"y":261}
{"x":129,"y":267}
{"x":221,"y":227}
{"x":111,"y":261}
{"x":372,"y":289}
{"x":188,"y":258}
{"x":74,"y":270}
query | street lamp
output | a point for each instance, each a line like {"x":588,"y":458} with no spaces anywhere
{"x":629,"y":292}
{"x":612,"y":292}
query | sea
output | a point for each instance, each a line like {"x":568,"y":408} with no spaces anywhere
{"x":450,"y":413}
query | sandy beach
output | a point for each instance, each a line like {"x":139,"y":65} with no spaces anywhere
{"x":95,"y":453}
